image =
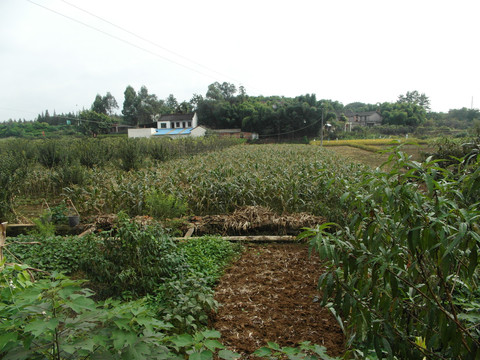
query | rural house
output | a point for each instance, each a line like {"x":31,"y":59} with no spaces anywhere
{"x":366,"y":118}
{"x":172,"y":126}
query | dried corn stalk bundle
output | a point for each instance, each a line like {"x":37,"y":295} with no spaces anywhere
{"x":254,"y":220}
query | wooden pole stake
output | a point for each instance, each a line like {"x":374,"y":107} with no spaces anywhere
{"x":3,"y":236}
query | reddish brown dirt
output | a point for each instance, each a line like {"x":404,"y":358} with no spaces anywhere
{"x":270,"y":294}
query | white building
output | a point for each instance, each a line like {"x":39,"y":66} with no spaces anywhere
{"x":173,"y":126}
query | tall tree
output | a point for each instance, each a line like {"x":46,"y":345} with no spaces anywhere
{"x":171,"y":103}
{"x":146,"y":106}
{"x":130,"y":104}
{"x":195,"y":101}
{"x":415,"y":98}
{"x":104,"y":104}
{"x":224,"y":91}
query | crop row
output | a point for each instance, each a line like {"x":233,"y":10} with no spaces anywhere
{"x":285,"y":178}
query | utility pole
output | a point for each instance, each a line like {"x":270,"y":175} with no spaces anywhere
{"x":321,"y":130}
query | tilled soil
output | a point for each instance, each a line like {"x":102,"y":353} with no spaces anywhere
{"x":270,"y":294}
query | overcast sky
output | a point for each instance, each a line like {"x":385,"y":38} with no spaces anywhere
{"x":59,"y":54}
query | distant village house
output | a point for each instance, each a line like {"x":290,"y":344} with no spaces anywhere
{"x":172,"y":126}
{"x":366,"y":118}
{"x":182,"y":125}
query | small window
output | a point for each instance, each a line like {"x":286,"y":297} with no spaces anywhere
{"x":178,"y":124}
{"x":172,"y":125}
{"x":183,"y":124}
{"x":189,"y":124}
{"x":163,"y":125}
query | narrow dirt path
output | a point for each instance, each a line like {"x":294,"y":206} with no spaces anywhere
{"x":270,"y":294}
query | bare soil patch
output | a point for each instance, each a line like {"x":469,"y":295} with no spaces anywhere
{"x":270,"y":294}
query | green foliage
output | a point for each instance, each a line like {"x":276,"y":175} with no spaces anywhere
{"x":209,"y":255}
{"x":405,"y":265}
{"x":51,"y":153}
{"x":185,"y":302}
{"x":455,"y":152}
{"x":68,"y":174}
{"x":161,"y":206}
{"x":305,"y":351}
{"x":49,"y":253}
{"x":414,"y":97}
{"x":306,"y":179}
{"x":93,"y":152}
{"x":59,"y":213}
{"x":93,"y":123}
{"x":104,"y":104}
{"x":132,"y":258}
{"x":57,"y":319}
{"x":43,"y":227}
{"x":13,"y":168}
{"x":402,"y":114}
{"x":202,"y":346}
{"x":129,"y":154}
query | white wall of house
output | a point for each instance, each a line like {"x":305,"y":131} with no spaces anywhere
{"x":135,"y":133}
{"x":195,"y":120}
{"x":190,"y":123}
{"x":198,"y":131}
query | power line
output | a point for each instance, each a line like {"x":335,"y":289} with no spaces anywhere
{"x":121,"y":39}
{"x":148,"y":41}
{"x":293,"y":131}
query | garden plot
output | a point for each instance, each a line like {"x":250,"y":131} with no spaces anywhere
{"x":271,"y":294}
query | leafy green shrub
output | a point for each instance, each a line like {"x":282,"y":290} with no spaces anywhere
{"x":157,"y":149}
{"x":449,"y":151}
{"x":49,"y":253}
{"x":305,"y":351}
{"x":43,"y":227}
{"x":68,"y":174}
{"x":129,"y":154}
{"x":185,"y":302}
{"x":405,"y":265}
{"x":93,"y":152}
{"x":59,"y":213}
{"x":209,"y":255}
{"x":52,"y":153}
{"x":57,"y":319}
{"x":162,"y":206}
{"x":202,"y":345}
{"x":132,"y":258}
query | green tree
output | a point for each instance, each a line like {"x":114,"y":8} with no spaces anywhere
{"x":402,"y":113}
{"x":104,"y":104}
{"x":171,"y":103}
{"x":224,"y":91}
{"x":415,"y":98}
{"x":147,"y":106}
{"x":93,"y":123}
{"x":98,"y":105}
{"x":130,"y":105}
{"x":195,"y":100}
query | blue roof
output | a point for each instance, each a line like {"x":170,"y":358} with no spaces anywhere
{"x":178,"y":131}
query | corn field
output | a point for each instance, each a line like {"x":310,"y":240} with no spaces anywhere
{"x":208,"y":176}
{"x":285,"y":178}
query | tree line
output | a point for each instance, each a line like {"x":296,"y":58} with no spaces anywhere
{"x":225,"y":106}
